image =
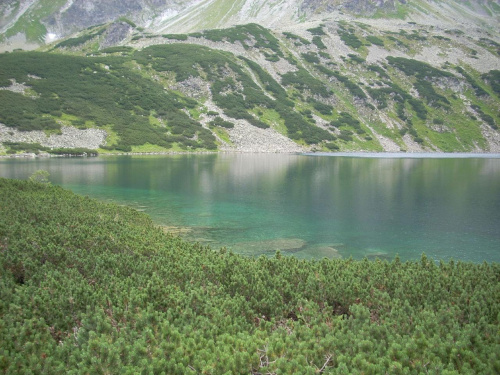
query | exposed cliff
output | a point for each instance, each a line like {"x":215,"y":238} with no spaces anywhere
{"x":27,"y":23}
{"x":41,"y":21}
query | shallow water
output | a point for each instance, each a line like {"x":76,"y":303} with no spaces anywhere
{"x":310,"y":206}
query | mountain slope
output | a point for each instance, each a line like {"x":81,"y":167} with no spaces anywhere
{"x":40,"y":21}
{"x":27,"y":23}
{"x":336,"y":86}
{"x":377,"y":84}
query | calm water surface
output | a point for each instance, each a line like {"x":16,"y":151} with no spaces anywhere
{"x":309,"y":206}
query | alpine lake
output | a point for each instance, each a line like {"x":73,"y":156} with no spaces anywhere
{"x":307,"y":205}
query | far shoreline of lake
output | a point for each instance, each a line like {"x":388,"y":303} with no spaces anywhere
{"x":409,"y":155}
{"x":353,"y":154}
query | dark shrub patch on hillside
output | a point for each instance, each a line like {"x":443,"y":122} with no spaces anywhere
{"x":311,"y":57}
{"x":350,"y":38}
{"x":296,"y":37}
{"x":484,"y":116}
{"x":318,"y":31}
{"x":180,"y":37}
{"x":302,"y":80}
{"x":379,"y":70}
{"x":117,"y":49}
{"x":243,"y":33}
{"x":318,"y":42}
{"x":356,"y":59}
{"x":493,"y":79}
{"x":417,"y":68}
{"x":219,"y":121}
{"x":375,"y":40}
{"x":475,"y":86}
{"x":75,"y":42}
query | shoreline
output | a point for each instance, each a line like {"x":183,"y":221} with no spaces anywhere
{"x":409,"y":155}
{"x":354,"y":154}
{"x":357,"y":154}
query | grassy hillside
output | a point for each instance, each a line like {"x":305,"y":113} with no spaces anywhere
{"x":97,"y":288}
{"x":322,"y":89}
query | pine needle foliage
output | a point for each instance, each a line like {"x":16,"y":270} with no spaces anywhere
{"x":89,"y":287}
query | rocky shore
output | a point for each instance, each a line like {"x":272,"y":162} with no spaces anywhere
{"x":248,"y":138}
{"x":69,"y":137}
{"x":244,"y":138}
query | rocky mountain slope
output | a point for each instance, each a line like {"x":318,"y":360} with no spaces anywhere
{"x":30,"y":23}
{"x":427,"y":79}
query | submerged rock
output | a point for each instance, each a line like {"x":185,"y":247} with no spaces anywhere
{"x":320,"y":251}
{"x":288,"y":245}
{"x":177,"y":231}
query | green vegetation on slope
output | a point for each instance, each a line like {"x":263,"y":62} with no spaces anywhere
{"x":36,"y":148}
{"x":78,"y":41}
{"x":353,"y":88}
{"x":493,"y":78}
{"x":258,"y":36}
{"x":97,"y":288}
{"x":424,"y":73}
{"x":147,"y":99}
{"x":101,"y":90}
{"x":298,"y":38}
{"x":348,"y":36}
{"x":303,"y":80}
{"x":232,"y":88}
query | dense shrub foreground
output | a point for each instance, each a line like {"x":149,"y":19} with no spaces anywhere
{"x":95,"y":288}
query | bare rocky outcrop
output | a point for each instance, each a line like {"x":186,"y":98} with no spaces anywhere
{"x":245,"y":137}
{"x":17,"y":87}
{"x":116,"y":33}
{"x":70,"y":137}
{"x":182,"y":16}
{"x":365,"y":7}
{"x":492,"y":137}
{"x":77,"y":15}
{"x":248,"y":138}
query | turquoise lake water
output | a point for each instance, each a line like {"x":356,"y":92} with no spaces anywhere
{"x":311,"y":206}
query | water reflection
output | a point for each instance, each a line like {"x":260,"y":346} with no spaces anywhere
{"x":323,"y":206}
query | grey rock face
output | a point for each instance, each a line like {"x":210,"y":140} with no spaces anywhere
{"x":80,"y":14}
{"x":365,"y":7}
{"x":115,"y":34}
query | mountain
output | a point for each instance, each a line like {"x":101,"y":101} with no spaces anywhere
{"x":35,"y":22}
{"x":157,"y":75}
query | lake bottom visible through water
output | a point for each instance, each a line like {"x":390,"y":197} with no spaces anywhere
{"x":308,"y":206}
